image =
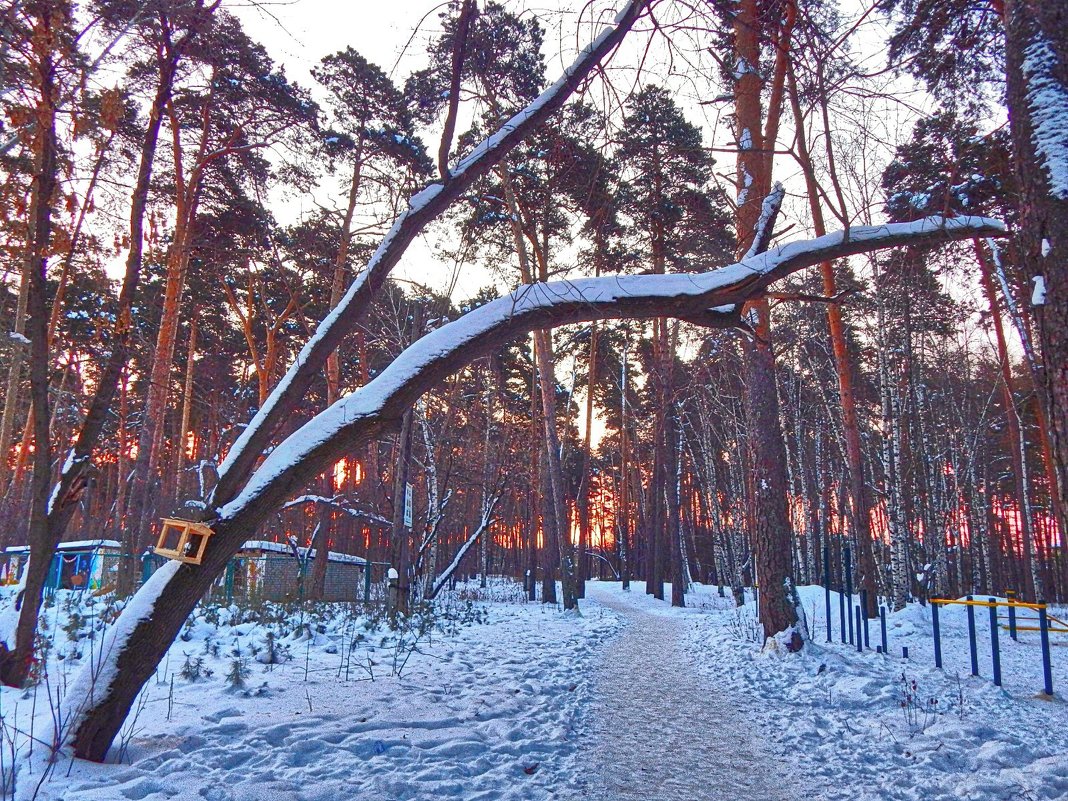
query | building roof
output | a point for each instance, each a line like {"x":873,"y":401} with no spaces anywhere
{"x":281,"y":547}
{"x":75,"y":545}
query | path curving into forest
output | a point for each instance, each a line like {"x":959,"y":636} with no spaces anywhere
{"x":657,"y":731}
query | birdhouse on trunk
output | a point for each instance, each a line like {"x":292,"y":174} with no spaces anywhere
{"x":183,"y":540}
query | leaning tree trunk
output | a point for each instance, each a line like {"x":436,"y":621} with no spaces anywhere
{"x":1036,"y":56}
{"x":148,"y":626}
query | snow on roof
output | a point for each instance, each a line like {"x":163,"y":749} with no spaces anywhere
{"x":281,"y":547}
{"x":75,"y":545}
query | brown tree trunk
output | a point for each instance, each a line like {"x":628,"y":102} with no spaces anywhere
{"x":15,"y":665}
{"x":1014,"y":434}
{"x":867,"y":575}
{"x":554,"y":507}
{"x":1036,"y":56}
{"x":582,"y":502}
{"x":13,"y":393}
{"x":185,"y":426}
{"x":772,"y":545}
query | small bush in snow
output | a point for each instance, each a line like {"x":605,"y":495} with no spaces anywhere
{"x":919,"y":711}
{"x":187,"y":629}
{"x":273,"y":652}
{"x":745,"y":626}
{"x":194,"y":669}
{"x":73,"y":626}
{"x":238,"y":673}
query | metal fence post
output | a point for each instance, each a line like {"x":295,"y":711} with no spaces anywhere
{"x":995,"y":650}
{"x":937,"y":634}
{"x":860,"y":641}
{"x":882,"y":626}
{"x":1047,"y":666}
{"x":972,"y":647}
{"x":842,"y":615}
{"x":827,"y":586}
{"x":848,"y":570}
{"x":864,"y":616}
{"x":1011,"y":596}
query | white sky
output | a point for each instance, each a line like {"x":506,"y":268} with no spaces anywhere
{"x":299,"y":33}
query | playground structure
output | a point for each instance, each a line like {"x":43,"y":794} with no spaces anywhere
{"x":854,"y":623}
{"x":1044,"y":628}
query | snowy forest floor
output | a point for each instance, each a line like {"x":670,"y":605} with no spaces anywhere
{"x":517,"y":701}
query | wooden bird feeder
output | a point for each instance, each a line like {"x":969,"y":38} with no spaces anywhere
{"x":183,"y":540}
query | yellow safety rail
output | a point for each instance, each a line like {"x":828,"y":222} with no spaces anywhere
{"x":993,"y":604}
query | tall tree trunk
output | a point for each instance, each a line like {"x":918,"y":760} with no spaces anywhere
{"x":185,"y":426}
{"x":554,"y":510}
{"x":13,"y":393}
{"x":400,"y":552}
{"x":771,"y":522}
{"x":556,"y":505}
{"x":583,"y":499}
{"x":860,"y":506}
{"x":1036,"y":56}
{"x":15,"y":665}
{"x":1015,"y":440}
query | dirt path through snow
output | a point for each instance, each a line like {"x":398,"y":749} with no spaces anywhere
{"x":656,"y":730}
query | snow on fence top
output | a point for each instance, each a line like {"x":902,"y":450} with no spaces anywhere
{"x":281,"y":547}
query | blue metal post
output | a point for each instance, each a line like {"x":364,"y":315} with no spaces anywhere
{"x":827,"y":586}
{"x":995,"y":650}
{"x":848,"y":569}
{"x":972,"y":647}
{"x":842,"y":614}
{"x":882,"y":626}
{"x":864,"y":616}
{"x":1047,"y":666}
{"x":936,"y":632}
{"x":1011,"y":596}
{"x":860,"y":642}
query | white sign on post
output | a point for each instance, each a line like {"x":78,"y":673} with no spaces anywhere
{"x":408,"y":505}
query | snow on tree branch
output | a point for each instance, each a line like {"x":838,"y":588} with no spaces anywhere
{"x":341,"y":503}
{"x":423,"y":208}
{"x":378,"y":405}
{"x":769,"y":210}
{"x":485,"y":523}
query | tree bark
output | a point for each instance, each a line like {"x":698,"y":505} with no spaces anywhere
{"x":867,"y":572}
{"x":15,"y":665}
{"x":771,"y":531}
{"x":1036,"y":61}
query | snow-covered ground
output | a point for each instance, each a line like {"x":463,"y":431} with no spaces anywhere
{"x":483,"y":710}
{"x":501,"y":699}
{"x":865,"y":726}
